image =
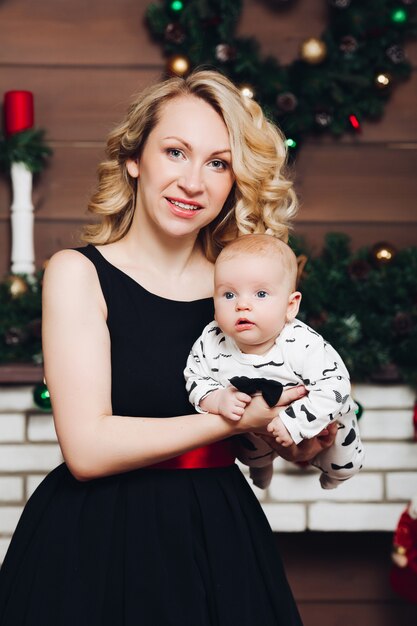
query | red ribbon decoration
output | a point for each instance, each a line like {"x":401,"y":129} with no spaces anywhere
{"x":18,"y":111}
{"x":218,"y":454}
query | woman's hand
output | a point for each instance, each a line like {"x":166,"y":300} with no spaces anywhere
{"x":308,"y":449}
{"x":258,"y":414}
{"x":291,"y":395}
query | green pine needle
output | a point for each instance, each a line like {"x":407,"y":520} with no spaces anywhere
{"x":28,"y":147}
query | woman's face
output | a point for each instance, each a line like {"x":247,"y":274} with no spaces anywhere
{"x":184,"y":173}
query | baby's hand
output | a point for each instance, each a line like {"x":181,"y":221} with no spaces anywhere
{"x":281,"y":434}
{"x":228,"y":402}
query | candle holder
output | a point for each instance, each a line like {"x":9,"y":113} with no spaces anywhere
{"x":23,"y":151}
{"x":22,"y":220}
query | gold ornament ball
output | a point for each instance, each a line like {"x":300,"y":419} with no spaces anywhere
{"x":17,"y":286}
{"x":313,"y":51}
{"x":178,"y":65}
{"x":247,"y":91}
{"x":382,"y":81}
{"x":383,"y":253}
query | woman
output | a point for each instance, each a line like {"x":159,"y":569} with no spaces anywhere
{"x":149,"y":521}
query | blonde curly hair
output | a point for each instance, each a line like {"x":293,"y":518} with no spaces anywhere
{"x":262,"y":199}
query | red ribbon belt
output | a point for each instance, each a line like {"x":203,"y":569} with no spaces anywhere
{"x":218,"y":454}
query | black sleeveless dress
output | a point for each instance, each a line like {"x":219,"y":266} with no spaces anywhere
{"x":150,"y":547}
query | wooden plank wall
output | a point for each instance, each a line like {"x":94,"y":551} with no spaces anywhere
{"x":84,"y":60}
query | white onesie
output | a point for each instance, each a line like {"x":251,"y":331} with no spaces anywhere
{"x":300,"y":356}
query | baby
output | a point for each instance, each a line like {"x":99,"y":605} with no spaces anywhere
{"x":256,"y":343}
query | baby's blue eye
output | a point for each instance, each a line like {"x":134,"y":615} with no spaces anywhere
{"x":229,"y":295}
{"x":261,"y":294}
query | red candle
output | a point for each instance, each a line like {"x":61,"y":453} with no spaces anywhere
{"x":18,"y":111}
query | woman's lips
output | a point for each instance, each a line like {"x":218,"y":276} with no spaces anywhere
{"x":183,"y":211}
{"x":191,"y":203}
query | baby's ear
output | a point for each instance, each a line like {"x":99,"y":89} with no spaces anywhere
{"x":293,"y":305}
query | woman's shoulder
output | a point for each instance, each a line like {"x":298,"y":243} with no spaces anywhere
{"x":70,"y":274}
{"x":69,"y":262}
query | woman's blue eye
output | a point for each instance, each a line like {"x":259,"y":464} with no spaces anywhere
{"x":174,"y":152}
{"x":229,"y":295}
{"x":219,"y":165}
{"x":261,"y":294}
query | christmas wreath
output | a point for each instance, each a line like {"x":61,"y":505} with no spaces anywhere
{"x":341,"y":79}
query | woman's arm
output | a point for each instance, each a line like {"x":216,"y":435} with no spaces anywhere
{"x":76,"y":347}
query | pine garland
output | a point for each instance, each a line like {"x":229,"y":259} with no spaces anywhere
{"x":363,"y":60}
{"x":27,"y":146}
{"x":20,"y":319}
{"x":365,"y":307}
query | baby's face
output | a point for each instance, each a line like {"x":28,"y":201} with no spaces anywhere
{"x":253,"y":301}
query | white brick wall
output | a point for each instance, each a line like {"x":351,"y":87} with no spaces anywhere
{"x":384,"y":396}
{"x":4,"y":544}
{"x":28,"y":450}
{"x":373,"y":500}
{"x":9,"y":516}
{"x":387,"y":424}
{"x":41,"y":428}
{"x":391,"y":455}
{"x":294,"y":488}
{"x":16,"y":398}
{"x":286,"y":517}
{"x":12,"y":427}
{"x":333,"y":516}
{"x":11,"y":489}
{"x":29,"y":457}
{"x":401,"y":485}
{"x":32,"y":482}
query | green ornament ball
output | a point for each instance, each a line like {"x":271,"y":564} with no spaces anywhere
{"x":291,"y":143}
{"x":41,"y":397}
{"x":399,"y":15}
{"x":359,"y":410}
{"x":176,"y":6}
